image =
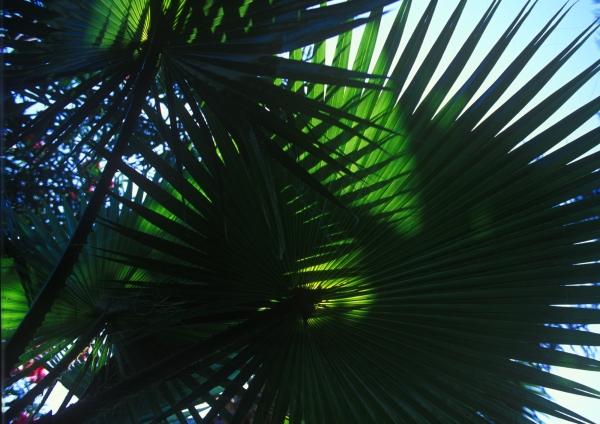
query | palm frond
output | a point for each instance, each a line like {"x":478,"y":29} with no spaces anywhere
{"x":112,"y":52}
{"x":426,"y":281}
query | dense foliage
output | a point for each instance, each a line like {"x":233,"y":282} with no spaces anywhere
{"x":284,"y":240}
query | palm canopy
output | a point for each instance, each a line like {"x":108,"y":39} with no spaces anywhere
{"x":123,"y":58}
{"x":288,"y":253}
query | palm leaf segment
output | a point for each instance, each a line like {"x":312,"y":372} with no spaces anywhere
{"x":424,"y":300}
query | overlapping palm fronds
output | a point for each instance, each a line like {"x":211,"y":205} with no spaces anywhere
{"x":220,"y":56}
{"x":425,"y":283}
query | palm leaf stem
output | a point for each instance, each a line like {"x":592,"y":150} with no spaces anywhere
{"x":56,"y":281}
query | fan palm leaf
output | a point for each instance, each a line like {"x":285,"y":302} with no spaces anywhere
{"x":220,"y":54}
{"x":433,"y":295}
{"x":96,"y":285}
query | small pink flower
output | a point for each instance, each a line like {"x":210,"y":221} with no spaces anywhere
{"x":37,"y":374}
{"x":22,"y":419}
